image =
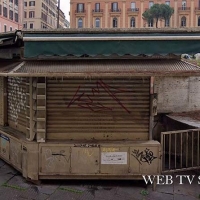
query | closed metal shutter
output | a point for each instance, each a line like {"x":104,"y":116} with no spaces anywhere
{"x":111,"y":109}
{"x":17,"y":103}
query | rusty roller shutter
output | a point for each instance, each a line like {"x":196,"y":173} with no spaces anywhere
{"x":16,"y":88}
{"x":111,"y":109}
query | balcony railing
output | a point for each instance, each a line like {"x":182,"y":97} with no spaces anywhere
{"x":97,"y":10}
{"x":197,"y":8}
{"x":184,"y":8}
{"x":133,"y":9}
{"x":115,"y":10}
{"x":79,"y":11}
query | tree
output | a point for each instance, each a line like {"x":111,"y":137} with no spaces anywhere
{"x":166,"y":11}
{"x":158,"y":11}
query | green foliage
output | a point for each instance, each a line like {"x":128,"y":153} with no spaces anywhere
{"x":158,"y":11}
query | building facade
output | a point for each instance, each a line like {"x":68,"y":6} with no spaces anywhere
{"x":128,"y":13}
{"x":61,"y":19}
{"x":40,"y":14}
{"x":11,"y":15}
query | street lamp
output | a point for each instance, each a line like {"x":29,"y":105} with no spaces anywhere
{"x":58,"y":14}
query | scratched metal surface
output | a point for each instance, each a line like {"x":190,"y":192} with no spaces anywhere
{"x":108,"y":109}
{"x":106,"y":66}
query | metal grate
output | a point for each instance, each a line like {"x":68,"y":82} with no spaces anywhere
{"x":108,"y":109}
{"x":181,"y":150}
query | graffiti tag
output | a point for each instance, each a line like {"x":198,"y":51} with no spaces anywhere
{"x":145,"y":156}
{"x":83,"y":100}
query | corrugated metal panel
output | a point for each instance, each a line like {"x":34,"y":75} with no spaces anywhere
{"x":106,"y":66}
{"x":17,"y":103}
{"x":7,"y":66}
{"x":1,"y":101}
{"x":108,"y":109}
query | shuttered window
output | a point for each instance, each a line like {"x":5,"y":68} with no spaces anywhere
{"x":17,"y":103}
{"x":103,"y":109}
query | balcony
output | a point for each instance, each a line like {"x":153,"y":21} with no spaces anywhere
{"x":133,"y":11}
{"x":184,"y":9}
{"x":115,"y":12}
{"x":97,"y":12}
{"x":80,"y":13}
{"x":197,"y":10}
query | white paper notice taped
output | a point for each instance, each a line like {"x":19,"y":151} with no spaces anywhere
{"x":110,"y":158}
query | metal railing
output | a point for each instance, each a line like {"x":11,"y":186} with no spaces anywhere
{"x":133,"y":9}
{"x":97,"y":10}
{"x":183,"y":8}
{"x":180,"y":150}
{"x":79,"y":11}
{"x":115,"y":10}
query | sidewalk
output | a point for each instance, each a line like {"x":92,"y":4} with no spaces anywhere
{"x":14,"y":187}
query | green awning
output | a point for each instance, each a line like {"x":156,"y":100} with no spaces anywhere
{"x":100,"y":43}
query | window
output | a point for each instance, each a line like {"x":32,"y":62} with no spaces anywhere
{"x":25,"y":25}
{"x":31,"y":14}
{"x":183,"y":21}
{"x":25,"y":14}
{"x":80,"y":23}
{"x":97,"y":23}
{"x":31,"y":3}
{"x":5,"y":12}
{"x":114,"y":7}
{"x":150,"y":23}
{"x":5,"y":28}
{"x":80,"y":7}
{"x":97,"y":7}
{"x":183,"y":5}
{"x":133,"y":6}
{"x":31,"y":25}
{"x":167,"y":22}
{"x":199,"y":21}
{"x":16,"y":17}
{"x":25,"y":4}
{"x":150,"y":4}
{"x":16,"y":2}
{"x":10,"y":14}
{"x":167,"y":3}
{"x":132,"y":22}
{"x":11,"y":1}
{"x":115,"y":22}
{"x":10,"y":28}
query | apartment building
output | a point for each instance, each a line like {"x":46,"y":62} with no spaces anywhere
{"x":61,"y":19}
{"x":128,"y":13}
{"x":11,"y":15}
{"x":40,"y":14}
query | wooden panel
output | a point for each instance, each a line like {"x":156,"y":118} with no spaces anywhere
{"x":55,"y":160}
{"x":98,"y":109}
{"x":16,"y":153}
{"x":85,"y":160}
{"x":17,"y":103}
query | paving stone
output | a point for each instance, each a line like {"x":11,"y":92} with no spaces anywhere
{"x":5,"y":178}
{"x":47,"y":189}
{"x":2,"y":163}
{"x":60,"y":194}
{"x":19,"y":181}
{"x":184,"y":197}
{"x":158,"y":196}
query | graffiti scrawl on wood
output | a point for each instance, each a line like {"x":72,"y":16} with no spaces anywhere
{"x":145,"y":156}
